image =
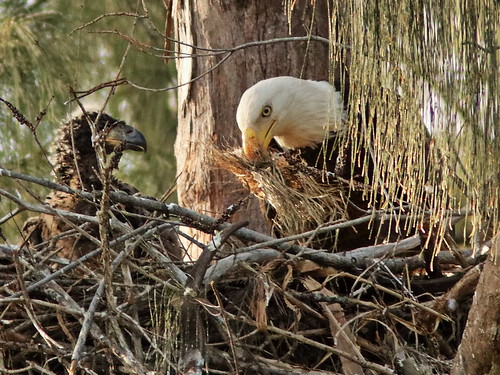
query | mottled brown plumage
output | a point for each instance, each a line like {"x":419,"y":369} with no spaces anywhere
{"x":76,"y":165}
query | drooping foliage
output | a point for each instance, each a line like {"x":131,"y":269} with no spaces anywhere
{"x":434,"y":64}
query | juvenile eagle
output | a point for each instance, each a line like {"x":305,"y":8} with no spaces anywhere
{"x":76,"y":166}
{"x":308,"y":119}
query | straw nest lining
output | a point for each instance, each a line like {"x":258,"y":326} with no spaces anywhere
{"x":303,"y":198}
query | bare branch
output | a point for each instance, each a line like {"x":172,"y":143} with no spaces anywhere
{"x":208,"y":224}
{"x":106,"y":15}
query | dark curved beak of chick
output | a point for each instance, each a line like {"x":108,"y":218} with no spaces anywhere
{"x":128,"y":136}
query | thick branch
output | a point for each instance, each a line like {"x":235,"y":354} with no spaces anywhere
{"x":350,"y":261}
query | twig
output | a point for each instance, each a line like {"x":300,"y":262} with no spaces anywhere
{"x":490,"y":49}
{"x":21,"y":119}
{"x":276,"y":366}
{"x":111,"y":14}
{"x":28,"y":307}
{"x":223,"y":266}
{"x":174,"y":272}
{"x":83,"y":259}
{"x":229,"y":52}
{"x":11,"y":214}
{"x":184,"y":83}
{"x":83,"y":94}
{"x":88,"y":321}
{"x":64,"y":215}
{"x":201,"y":265}
{"x":327,"y":348}
{"x":65,"y":300}
{"x":395,"y":294}
{"x":227,"y":329}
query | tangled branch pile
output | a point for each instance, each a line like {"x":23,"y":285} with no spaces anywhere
{"x":271,"y":307}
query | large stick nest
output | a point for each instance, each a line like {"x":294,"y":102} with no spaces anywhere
{"x":255,"y":312}
{"x":279,"y":309}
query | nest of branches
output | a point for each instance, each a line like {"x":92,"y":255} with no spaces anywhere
{"x":269,"y":306}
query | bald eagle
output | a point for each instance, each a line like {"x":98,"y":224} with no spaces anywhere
{"x":296,"y":113}
{"x":303,"y":116}
{"x":308,"y":119}
{"x":76,"y":165}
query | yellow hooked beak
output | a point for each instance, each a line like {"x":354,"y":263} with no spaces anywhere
{"x":256,"y":143}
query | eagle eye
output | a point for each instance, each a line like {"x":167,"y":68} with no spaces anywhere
{"x":266,"y":111}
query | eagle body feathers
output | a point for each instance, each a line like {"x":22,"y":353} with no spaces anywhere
{"x":76,"y":165}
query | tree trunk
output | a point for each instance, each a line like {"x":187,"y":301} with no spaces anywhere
{"x":207,"y":106}
{"x":479,"y":351}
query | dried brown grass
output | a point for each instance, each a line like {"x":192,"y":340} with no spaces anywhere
{"x":302,"y":197}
